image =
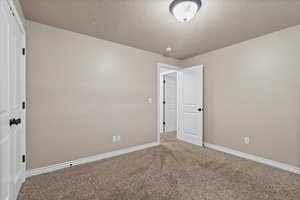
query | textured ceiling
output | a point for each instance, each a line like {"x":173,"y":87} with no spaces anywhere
{"x":148,"y":25}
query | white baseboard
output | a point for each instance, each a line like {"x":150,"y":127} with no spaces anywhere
{"x":190,"y":139}
{"x":55,"y":167}
{"x":272,"y":163}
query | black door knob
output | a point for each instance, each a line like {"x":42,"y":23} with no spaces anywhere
{"x":199,"y":109}
{"x":18,"y":121}
{"x":14,"y":121}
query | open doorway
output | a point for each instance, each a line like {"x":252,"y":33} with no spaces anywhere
{"x":180,"y":103}
{"x":168,"y":87}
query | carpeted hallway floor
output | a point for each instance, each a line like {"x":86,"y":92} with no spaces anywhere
{"x":172,"y":171}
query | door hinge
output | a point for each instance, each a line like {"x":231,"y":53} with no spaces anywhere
{"x":11,"y":11}
{"x":23,"y":51}
{"x":23,"y":105}
{"x":164,"y":81}
{"x":23,"y":158}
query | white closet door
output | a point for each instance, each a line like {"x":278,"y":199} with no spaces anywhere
{"x":16,"y":97}
{"x":191,"y":105}
{"x":12,"y":94}
{"x":5,"y":139}
{"x":170,"y":102}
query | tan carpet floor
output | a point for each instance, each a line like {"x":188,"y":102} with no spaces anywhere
{"x":172,"y":171}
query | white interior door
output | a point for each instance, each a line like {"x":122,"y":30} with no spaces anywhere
{"x":170,"y":99}
{"x":5,"y":178}
{"x":12,"y":95}
{"x":190,"y":119}
{"x":17,"y":97}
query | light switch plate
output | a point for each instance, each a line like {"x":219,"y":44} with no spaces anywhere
{"x":247,"y":140}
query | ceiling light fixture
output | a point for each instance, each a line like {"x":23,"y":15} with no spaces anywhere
{"x":184,"y":10}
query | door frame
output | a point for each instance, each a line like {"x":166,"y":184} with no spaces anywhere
{"x":158,"y":92}
{"x":17,"y":16}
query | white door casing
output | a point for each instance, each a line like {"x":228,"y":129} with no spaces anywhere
{"x":12,"y":94}
{"x":190,"y":105}
{"x":170,"y":98}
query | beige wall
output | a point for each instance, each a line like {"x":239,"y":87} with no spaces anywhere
{"x":81,"y":91}
{"x":253,"y":89}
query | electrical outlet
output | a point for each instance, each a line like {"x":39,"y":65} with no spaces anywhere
{"x":247,"y":140}
{"x":116,"y":138}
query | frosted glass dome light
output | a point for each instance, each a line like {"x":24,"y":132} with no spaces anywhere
{"x":184,"y":10}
